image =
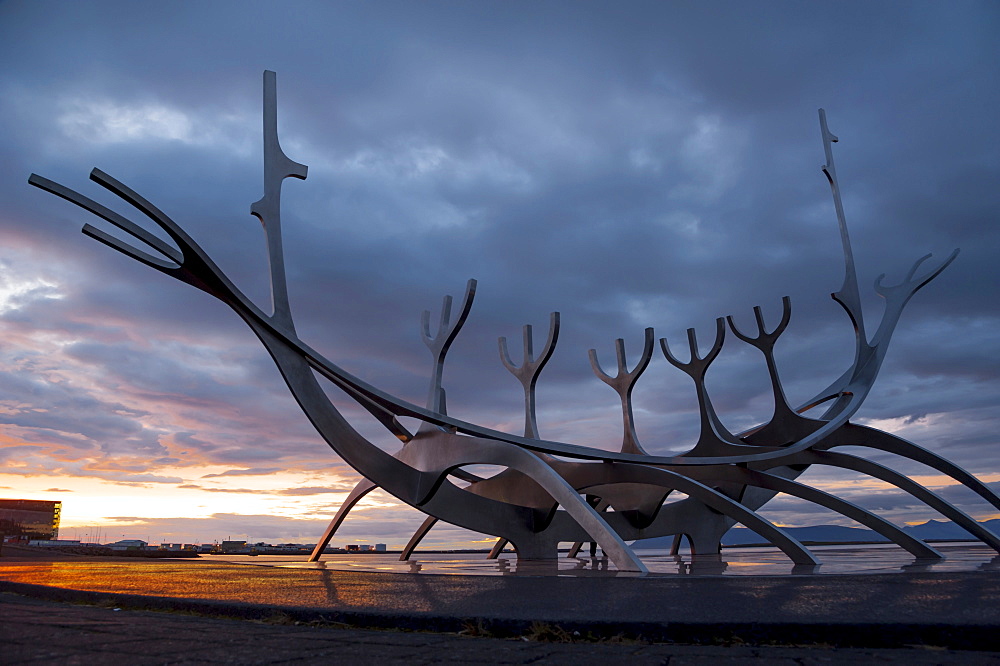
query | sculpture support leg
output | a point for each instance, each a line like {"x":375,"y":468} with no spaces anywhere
{"x":497,"y":548}
{"x":675,"y":546}
{"x":417,"y":537}
{"x":363,"y":488}
{"x":601,"y":506}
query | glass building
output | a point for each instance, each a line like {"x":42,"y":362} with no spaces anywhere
{"x":30,"y":519}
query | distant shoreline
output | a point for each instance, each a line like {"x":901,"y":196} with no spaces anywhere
{"x":840,"y":543}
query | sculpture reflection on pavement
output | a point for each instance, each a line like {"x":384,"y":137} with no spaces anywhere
{"x":540,"y":498}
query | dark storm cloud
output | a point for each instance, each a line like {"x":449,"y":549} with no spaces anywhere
{"x":655,"y":164}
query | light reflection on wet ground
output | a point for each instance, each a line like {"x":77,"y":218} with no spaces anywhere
{"x":867,"y":559}
{"x":964,"y":589}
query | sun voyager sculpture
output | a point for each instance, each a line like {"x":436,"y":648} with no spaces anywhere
{"x":551,"y":492}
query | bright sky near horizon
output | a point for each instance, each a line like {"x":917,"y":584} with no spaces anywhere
{"x":646,"y":164}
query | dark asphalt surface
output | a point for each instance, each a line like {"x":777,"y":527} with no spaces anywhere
{"x":952,"y":617}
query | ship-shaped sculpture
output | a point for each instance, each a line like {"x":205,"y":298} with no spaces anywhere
{"x":550,"y":492}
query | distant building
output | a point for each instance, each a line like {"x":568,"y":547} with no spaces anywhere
{"x":54,"y":543}
{"x":232,"y":546}
{"x":30,"y":519}
{"x":380,"y":548}
{"x":128,"y":544}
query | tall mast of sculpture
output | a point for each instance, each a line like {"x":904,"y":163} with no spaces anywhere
{"x":277,"y":167}
{"x":848,"y":295}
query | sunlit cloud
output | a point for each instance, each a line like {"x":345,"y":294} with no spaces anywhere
{"x":103,"y":121}
{"x":16,"y":291}
{"x":239,"y":491}
{"x":254,"y":471}
{"x":311,"y":490}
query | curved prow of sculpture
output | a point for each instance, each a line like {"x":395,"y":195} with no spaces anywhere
{"x":193,"y":266}
{"x":853,"y":386}
{"x":849,"y":296}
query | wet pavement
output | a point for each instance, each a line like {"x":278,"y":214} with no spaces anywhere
{"x":958,"y":610}
{"x":749,"y":561}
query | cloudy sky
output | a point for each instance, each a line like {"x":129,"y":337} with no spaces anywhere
{"x":645,"y":164}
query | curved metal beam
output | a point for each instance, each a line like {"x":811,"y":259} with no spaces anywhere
{"x":585,"y":476}
{"x":915,"y":546}
{"x":904,"y":483}
{"x":853,"y":434}
{"x":440,"y":452}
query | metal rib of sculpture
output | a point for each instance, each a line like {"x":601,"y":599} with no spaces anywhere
{"x":541,"y":497}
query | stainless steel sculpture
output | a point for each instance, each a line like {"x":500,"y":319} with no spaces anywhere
{"x":541,"y":497}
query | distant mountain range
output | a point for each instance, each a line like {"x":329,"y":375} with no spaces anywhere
{"x":932,"y":530}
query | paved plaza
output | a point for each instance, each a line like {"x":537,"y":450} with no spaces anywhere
{"x":277,"y":610}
